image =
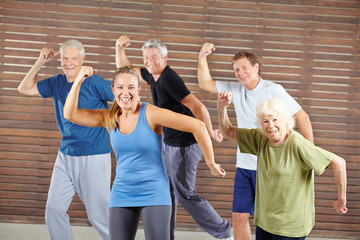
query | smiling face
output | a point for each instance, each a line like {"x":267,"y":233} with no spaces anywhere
{"x":153,"y":61}
{"x":126,"y":90}
{"x":71,"y":62}
{"x":246,"y":73}
{"x":274,"y":128}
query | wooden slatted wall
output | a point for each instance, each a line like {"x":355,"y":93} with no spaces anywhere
{"x":310,"y":47}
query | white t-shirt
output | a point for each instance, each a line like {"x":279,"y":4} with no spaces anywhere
{"x":245,"y":103}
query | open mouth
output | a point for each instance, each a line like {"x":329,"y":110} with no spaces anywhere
{"x":243,"y":77}
{"x":274,"y":131}
{"x":125,"y":99}
{"x":151,"y":67}
{"x":69,"y":69}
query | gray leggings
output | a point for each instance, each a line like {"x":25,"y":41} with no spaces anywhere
{"x":124,"y":222}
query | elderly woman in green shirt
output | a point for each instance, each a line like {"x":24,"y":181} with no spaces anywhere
{"x":284,"y":198}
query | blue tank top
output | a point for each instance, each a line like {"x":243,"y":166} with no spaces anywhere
{"x":141,"y":179}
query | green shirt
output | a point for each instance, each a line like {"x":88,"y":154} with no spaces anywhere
{"x":284,"y":199}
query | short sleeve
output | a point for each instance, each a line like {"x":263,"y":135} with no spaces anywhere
{"x":103,"y":88}
{"x":225,"y":86}
{"x":222,"y":86}
{"x":145,"y":75}
{"x":248,"y":140}
{"x":46,"y":87}
{"x":315,"y":157}
{"x":174,"y":86}
{"x":312,"y":156}
{"x":293,"y":106}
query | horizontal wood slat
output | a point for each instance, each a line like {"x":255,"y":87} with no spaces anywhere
{"x":310,"y":47}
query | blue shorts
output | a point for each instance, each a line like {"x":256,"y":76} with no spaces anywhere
{"x":244,"y":191}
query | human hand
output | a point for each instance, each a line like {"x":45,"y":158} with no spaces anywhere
{"x":206,"y":49}
{"x":217,"y":171}
{"x":340,"y":206}
{"x":122,"y":42}
{"x":224,"y":99}
{"x":85,"y":72}
{"x":47,"y":54}
{"x":217,"y":135}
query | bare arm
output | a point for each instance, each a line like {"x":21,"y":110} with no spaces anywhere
{"x":201,"y":113}
{"x":28,"y":84}
{"x":226,"y":127}
{"x":304,"y":124}
{"x":84,"y":117}
{"x":338,"y":165}
{"x":162,"y":117}
{"x":120,"y":56}
{"x":203,"y":73}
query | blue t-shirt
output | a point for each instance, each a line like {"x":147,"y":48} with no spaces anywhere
{"x":141,"y":178}
{"x":94,"y":93}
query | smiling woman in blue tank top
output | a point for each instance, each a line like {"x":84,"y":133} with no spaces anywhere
{"x":141,"y":186}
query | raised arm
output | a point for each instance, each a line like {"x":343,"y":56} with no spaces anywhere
{"x":158,"y":117}
{"x":84,"y":117}
{"x":201,"y":113}
{"x":338,"y":165}
{"x":204,"y":77}
{"x":28,"y":84}
{"x":304,"y":124}
{"x":226,"y":127}
{"x":120,"y":56}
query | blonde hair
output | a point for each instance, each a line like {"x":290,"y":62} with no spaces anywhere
{"x":275,"y":106}
{"x":115,"y":110}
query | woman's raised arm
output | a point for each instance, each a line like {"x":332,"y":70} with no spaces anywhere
{"x":84,"y":117}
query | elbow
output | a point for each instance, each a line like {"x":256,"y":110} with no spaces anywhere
{"x":307,"y":117}
{"x":338,"y":162}
{"x":69,"y":118}
{"x":205,"y":86}
{"x":21,"y":89}
{"x":202,"y":85}
{"x":227,"y":133}
{"x":199,"y":128}
{"x":72,"y":117}
{"x":342,"y":163}
{"x":67,"y":114}
{"x":27,"y":91}
{"x":202,"y":126}
{"x":302,"y":116}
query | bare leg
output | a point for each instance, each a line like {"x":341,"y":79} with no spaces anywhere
{"x":241,"y":226}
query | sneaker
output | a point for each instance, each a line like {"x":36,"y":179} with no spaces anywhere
{"x":229,"y":238}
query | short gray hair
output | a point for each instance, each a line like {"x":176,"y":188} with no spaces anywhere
{"x":275,"y":106}
{"x":156,"y":43}
{"x":72,"y":43}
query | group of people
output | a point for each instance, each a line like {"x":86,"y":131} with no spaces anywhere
{"x":158,"y":148}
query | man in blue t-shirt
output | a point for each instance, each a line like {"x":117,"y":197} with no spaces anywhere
{"x":181,"y":153}
{"x":83,"y":163}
